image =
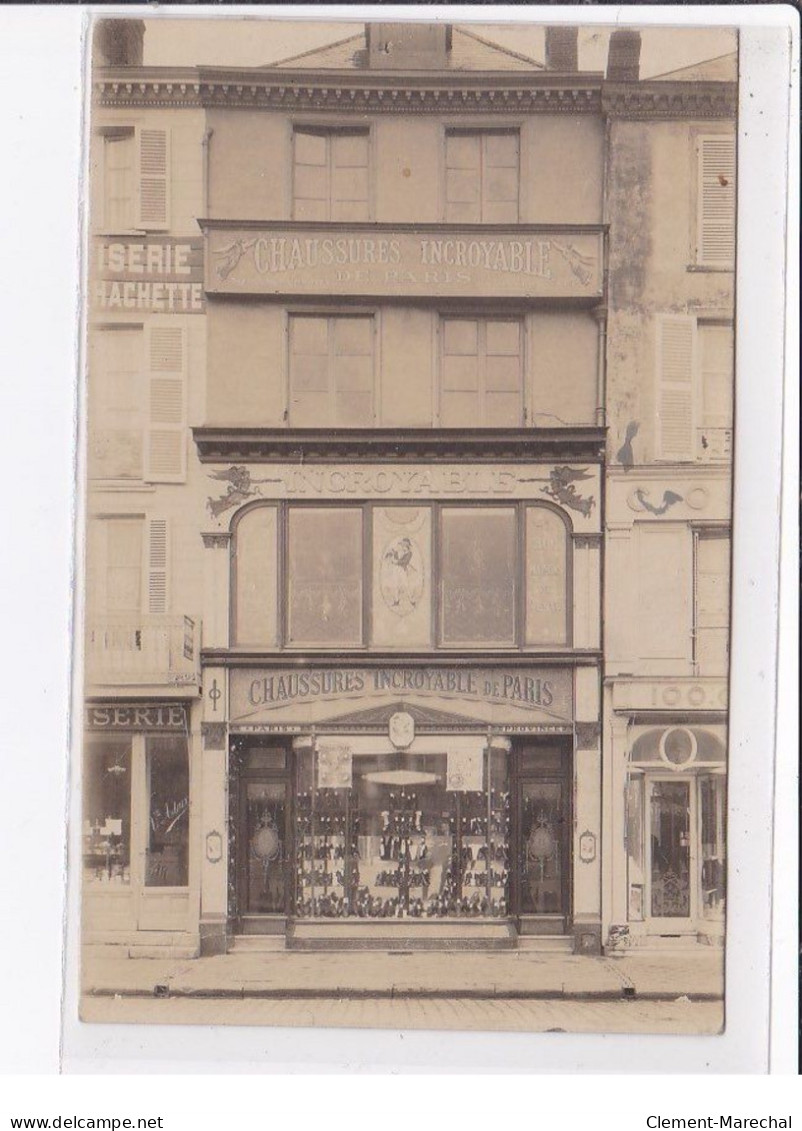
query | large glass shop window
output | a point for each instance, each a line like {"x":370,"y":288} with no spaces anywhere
{"x":167,"y":851}
{"x":107,"y":812}
{"x":325,"y":576}
{"x":478,"y":575}
{"x":418,"y":836}
{"x":712,"y":810}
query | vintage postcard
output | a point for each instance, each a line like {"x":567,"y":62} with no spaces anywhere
{"x":408,"y":507}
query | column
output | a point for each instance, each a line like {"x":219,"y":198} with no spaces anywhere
{"x":587,"y":813}
{"x":216,"y":602}
{"x":214,"y":866}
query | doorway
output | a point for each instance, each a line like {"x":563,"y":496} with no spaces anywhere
{"x":261,"y":804}
{"x":542,"y":840}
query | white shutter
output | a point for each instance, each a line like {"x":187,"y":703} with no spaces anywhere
{"x":676,"y":387}
{"x":716,"y":201}
{"x":158,"y":551}
{"x":153,"y":169}
{"x":166,"y":352}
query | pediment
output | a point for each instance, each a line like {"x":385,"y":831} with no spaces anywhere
{"x":379,"y":717}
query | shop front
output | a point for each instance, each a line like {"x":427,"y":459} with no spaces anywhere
{"x":671,"y":876}
{"x":427,"y":805}
{"x":138,"y":872}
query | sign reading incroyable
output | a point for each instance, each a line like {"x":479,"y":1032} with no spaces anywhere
{"x":302,"y":260}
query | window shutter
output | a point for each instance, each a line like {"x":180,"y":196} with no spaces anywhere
{"x":158,"y":551}
{"x":153,"y":167}
{"x":676,"y":387}
{"x":716,"y":203}
{"x":166,"y":440}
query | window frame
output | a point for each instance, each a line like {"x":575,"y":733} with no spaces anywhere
{"x":700,"y":532}
{"x":482,"y":319}
{"x":329,"y":128}
{"x":696,"y":324}
{"x":374,"y":314}
{"x":519,"y":644}
{"x":99,"y":218}
{"x":480,"y":130}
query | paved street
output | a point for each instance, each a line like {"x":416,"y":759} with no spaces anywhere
{"x":677,"y":1017}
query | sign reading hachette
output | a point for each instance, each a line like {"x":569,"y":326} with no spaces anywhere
{"x":305,"y":260}
{"x":153,"y":274}
{"x":530,"y":689}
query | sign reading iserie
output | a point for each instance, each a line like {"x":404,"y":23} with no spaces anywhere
{"x":136,"y":717}
{"x":154,"y":274}
{"x":297,"y":259}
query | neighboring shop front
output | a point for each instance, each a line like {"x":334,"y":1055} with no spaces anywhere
{"x":139,"y":875}
{"x":669,"y":744}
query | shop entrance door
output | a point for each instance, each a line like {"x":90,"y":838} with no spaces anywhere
{"x":671,"y":855}
{"x":542,"y":889}
{"x":263,"y":843}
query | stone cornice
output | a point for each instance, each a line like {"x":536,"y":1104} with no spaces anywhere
{"x":462,"y":92}
{"x":664,"y":100}
{"x":524,"y":445}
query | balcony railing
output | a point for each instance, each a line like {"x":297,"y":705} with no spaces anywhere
{"x":160,"y":650}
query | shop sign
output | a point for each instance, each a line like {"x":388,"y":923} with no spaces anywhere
{"x":546,"y":691}
{"x":137,"y":717}
{"x":301,"y":259}
{"x":152,"y":274}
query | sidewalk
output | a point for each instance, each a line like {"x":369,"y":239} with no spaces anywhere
{"x":663,"y":976}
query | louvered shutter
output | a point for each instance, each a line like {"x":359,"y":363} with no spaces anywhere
{"x":158,"y":551}
{"x":153,"y":168}
{"x":166,"y":440}
{"x":716,"y":203}
{"x":676,"y":387}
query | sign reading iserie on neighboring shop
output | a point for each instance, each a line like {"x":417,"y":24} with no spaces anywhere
{"x":299,"y":259}
{"x":136,"y":717}
{"x":158,"y":275}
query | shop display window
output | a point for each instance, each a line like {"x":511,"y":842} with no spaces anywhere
{"x":107,"y":812}
{"x":399,"y":841}
{"x":478,"y":575}
{"x":167,"y":851}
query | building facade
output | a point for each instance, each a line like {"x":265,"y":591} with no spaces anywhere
{"x":346,"y":677}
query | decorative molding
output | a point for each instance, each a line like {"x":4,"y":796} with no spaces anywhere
{"x":366,"y":91}
{"x":587,"y":735}
{"x":670,"y":100}
{"x":356,"y":92}
{"x":524,"y":445}
{"x":214,"y":736}
{"x":217,"y":541}
{"x":587,"y":541}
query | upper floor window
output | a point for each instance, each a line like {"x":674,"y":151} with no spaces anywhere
{"x":331,"y":368}
{"x":695,"y":388}
{"x":481,"y":373}
{"x":331,"y":174}
{"x":393,"y":575}
{"x":127,"y":567}
{"x":482,"y":174}
{"x":715,"y":209}
{"x":324,"y":576}
{"x":134,"y":179}
{"x":137,"y":414}
{"x":711,"y":618}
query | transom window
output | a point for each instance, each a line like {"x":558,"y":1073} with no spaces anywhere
{"x":331,"y":174}
{"x":481,"y":373}
{"x":392,"y":575}
{"x":331,"y":371}
{"x":482,"y":174}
